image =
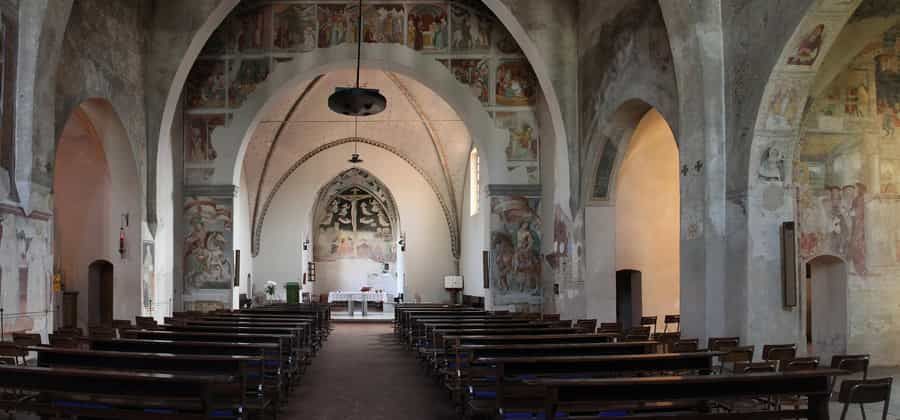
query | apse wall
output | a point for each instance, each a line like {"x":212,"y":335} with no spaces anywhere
{"x":647,"y":215}
{"x":428,"y":257}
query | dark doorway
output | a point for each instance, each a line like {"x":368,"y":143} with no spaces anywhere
{"x":826,"y":306}
{"x":100,"y":293}
{"x":628,"y":298}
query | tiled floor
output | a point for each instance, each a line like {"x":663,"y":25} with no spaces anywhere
{"x":362,"y":373}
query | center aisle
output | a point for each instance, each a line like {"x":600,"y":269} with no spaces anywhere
{"x":362,"y":373}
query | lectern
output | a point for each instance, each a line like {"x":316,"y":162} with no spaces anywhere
{"x":453,"y":284}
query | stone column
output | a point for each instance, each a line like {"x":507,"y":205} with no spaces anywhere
{"x":208,"y":255}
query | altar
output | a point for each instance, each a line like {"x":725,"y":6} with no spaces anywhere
{"x":363,"y":297}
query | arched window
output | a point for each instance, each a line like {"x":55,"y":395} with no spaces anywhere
{"x":474,"y":181}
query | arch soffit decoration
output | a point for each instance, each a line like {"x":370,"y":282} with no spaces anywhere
{"x":452,"y":227}
{"x":606,"y":150}
{"x":784,"y":78}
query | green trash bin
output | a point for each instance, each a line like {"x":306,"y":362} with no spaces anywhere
{"x":293,"y":292}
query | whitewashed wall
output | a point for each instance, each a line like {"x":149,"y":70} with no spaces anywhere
{"x":428,"y":256}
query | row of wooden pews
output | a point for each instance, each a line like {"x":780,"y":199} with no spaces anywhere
{"x":499,"y":365}
{"x":223,"y":365}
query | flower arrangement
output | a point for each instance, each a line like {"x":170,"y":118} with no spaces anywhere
{"x":270,"y":289}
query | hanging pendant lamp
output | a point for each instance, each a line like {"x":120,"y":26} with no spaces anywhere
{"x":354,"y":158}
{"x":357,"y":101}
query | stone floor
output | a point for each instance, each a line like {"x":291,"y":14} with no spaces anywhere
{"x":363,"y":374}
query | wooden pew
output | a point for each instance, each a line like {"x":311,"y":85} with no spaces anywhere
{"x":440,"y":333}
{"x":289,"y":360}
{"x":457,"y":372}
{"x":307,"y":350}
{"x":570,"y":395}
{"x":249,"y":369}
{"x":270,"y":353}
{"x":500,"y":377}
{"x":109,"y":394}
{"x":298,"y":342}
{"x":423,"y":330}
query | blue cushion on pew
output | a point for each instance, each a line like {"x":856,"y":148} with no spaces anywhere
{"x":272,"y":363}
{"x":484,"y":395}
{"x":224,"y":413}
{"x":612,"y":413}
{"x":159,"y":410}
{"x":531,"y":416}
{"x":80,"y":404}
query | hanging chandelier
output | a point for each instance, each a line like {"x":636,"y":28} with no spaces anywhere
{"x":356,"y":101}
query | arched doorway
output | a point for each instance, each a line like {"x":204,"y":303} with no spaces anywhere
{"x":826,"y":306}
{"x":96,"y":202}
{"x":100,"y":293}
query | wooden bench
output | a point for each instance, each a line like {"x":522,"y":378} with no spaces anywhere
{"x":586,"y":395}
{"x":249,"y":369}
{"x":270,"y":353}
{"x":108,"y":394}
{"x":497,"y":381}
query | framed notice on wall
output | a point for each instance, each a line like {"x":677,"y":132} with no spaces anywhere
{"x":237,"y":267}
{"x":789,"y":264}
{"x":486,"y":267}
{"x":312,"y":271}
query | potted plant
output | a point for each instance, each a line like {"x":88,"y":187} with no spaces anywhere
{"x":270,"y":290}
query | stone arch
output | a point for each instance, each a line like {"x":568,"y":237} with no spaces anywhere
{"x":387,"y":57}
{"x":258,"y":227}
{"x":606,"y":149}
{"x":94,"y":212}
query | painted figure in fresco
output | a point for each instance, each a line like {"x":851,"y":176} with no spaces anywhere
{"x":528,"y":265}
{"x":839,"y":229}
{"x":809,"y":47}
{"x":856,"y":249}
{"x":504,"y":255}
{"x":771,"y":167}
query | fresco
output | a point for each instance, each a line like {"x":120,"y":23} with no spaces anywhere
{"x":522,"y":144}
{"x":887,"y":85}
{"x":474,"y":74}
{"x":604,"y":170}
{"x":337,"y":24}
{"x":355,"y":219}
{"x":244,"y":75}
{"x":384,"y":23}
{"x":516,"y":83}
{"x":206,"y":85}
{"x":148,"y":276}
{"x":784,"y":105}
{"x":208,"y":247}
{"x":807,"y":50}
{"x":561,"y":243}
{"x":471,"y":31}
{"x":252,"y":29}
{"x":256,"y":38}
{"x":198,"y":146}
{"x":515,"y":250}
{"x":772,"y":165}
{"x":428,"y":27}
{"x":294,"y":27}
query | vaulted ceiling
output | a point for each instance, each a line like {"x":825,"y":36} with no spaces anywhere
{"x":417,"y":125}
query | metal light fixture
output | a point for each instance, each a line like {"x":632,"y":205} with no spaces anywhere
{"x":354,"y":158}
{"x":356,"y":101}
